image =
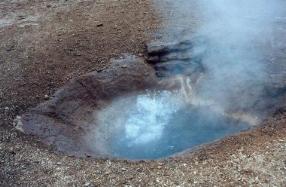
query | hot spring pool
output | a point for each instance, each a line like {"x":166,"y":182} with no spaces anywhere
{"x":157,"y":125}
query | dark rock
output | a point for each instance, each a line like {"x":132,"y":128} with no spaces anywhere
{"x":176,"y":67}
{"x":158,"y":49}
{"x":189,"y":51}
{"x":161,"y":48}
{"x":100,"y":25}
{"x":21,"y":17}
{"x":182,"y":57}
{"x":153,"y":59}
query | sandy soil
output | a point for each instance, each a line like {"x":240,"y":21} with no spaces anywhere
{"x":46,"y":43}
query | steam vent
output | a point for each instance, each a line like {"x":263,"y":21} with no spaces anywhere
{"x":127,"y":93}
{"x":143,"y":108}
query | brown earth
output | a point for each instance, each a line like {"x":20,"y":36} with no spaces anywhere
{"x":46,"y":43}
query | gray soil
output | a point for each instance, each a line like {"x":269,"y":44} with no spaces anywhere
{"x":46,"y":43}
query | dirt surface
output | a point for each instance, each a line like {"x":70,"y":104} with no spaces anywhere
{"x":46,"y":43}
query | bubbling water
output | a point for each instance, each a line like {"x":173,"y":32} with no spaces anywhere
{"x":157,"y":124}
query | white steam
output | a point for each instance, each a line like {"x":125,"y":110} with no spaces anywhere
{"x":239,"y":35}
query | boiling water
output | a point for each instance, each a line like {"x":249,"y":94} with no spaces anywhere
{"x":156,"y":125}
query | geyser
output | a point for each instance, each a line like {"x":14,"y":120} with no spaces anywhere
{"x":128,"y":112}
{"x":157,"y":124}
{"x":200,"y":88}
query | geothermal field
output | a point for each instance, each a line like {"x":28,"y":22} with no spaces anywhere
{"x":143,"y":93}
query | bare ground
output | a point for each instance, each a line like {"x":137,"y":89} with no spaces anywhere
{"x":46,"y":43}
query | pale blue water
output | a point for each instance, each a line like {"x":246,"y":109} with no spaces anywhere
{"x":152,"y":126}
{"x":186,"y":129}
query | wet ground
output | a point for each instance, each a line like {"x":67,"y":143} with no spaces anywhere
{"x":46,"y":43}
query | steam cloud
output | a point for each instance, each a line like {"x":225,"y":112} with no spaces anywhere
{"x":239,"y":39}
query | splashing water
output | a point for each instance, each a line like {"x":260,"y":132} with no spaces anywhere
{"x":146,"y":120}
{"x":157,"y":124}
